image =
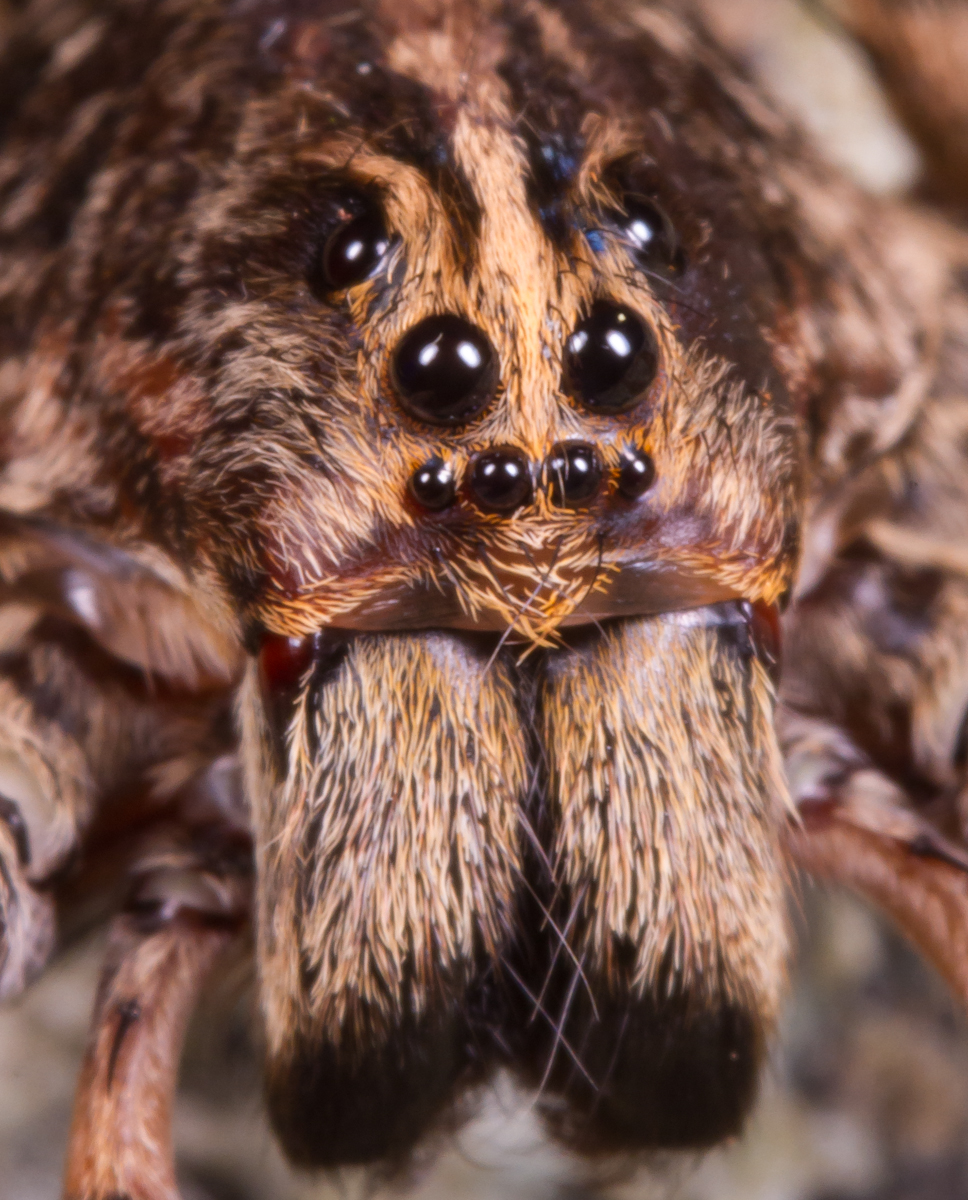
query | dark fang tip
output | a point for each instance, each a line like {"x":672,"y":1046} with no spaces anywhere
{"x":283,"y":661}
{"x":285,"y":665}
{"x":764,"y":623}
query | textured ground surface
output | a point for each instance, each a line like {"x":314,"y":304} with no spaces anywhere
{"x":868,"y":1095}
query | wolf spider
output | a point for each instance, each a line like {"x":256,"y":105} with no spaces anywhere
{"x":422,"y":424}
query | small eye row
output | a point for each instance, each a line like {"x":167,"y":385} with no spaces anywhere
{"x":502,"y":480}
{"x":444,"y":370}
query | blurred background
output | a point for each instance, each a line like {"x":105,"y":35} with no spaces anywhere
{"x":867,"y":1096}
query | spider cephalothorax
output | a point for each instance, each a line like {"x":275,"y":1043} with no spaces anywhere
{"x":450,"y":391}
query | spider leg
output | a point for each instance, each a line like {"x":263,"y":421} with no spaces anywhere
{"x":920,"y":52}
{"x":874,"y":713}
{"x":189,"y":903}
{"x":27,"y":914}
{"x":899,"y":862}
{"x":106,"y":702}
{"x":46,"y":794}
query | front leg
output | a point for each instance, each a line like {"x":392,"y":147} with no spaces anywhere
{"x":113,"y":691}
{"x":874,"y":720}
{"x":45,"y":798}
{"x":27,"y":914}
{"x":189,"y":902}
{"x":861,"y":835}
{"x":920,"y":53}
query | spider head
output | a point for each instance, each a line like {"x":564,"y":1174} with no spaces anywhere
{"x":461,"y":357}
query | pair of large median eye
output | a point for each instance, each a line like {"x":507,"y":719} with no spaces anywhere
{"x":444,"y":370}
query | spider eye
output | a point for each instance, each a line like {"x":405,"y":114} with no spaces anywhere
{"x":353,"y":251}
{"x":649,"y":234}
{"x":636,"y":473}
{"x":432,"y":485}
{"x":574,"y":472}
{"x":501,"y":480}
{"x":610,"y":359}
{"x":443,"y":370}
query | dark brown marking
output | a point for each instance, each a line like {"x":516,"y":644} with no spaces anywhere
{"x":548,"y":109}
{"x":10,"y":814}
{"x":128,"y":1014}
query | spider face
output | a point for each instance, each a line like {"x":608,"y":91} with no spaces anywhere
{"x":445,"y":316}
{"x":513,"y":418}
{"x":425,"y":410}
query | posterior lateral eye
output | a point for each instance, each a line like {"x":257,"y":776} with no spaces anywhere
{"x":353,"y":251}
{"x":649,"y":234}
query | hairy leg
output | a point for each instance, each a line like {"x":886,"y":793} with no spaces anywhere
{"x":189,"y":901}
{"x":874,"y":715}
{"x":104,"y":706}
{"x":920,"y":51}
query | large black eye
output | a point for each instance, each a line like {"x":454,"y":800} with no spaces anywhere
{"x":610,"y":359}
{"x":444,"y":370}
{"x":353,"y":251}
{"x":649,"y":234}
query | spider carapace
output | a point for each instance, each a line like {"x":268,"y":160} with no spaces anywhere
{"x":419,"y":423}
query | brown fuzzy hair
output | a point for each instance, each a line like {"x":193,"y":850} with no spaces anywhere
{"x":512,"y":776}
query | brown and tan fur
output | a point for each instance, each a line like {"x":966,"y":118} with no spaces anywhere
{"x":488,"y":830}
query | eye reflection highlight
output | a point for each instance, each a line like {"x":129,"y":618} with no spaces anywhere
{"x":619,"y":343}
{"x":469,"y":354}
{"x":429,"y":353}
{"x":641,"y":233}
